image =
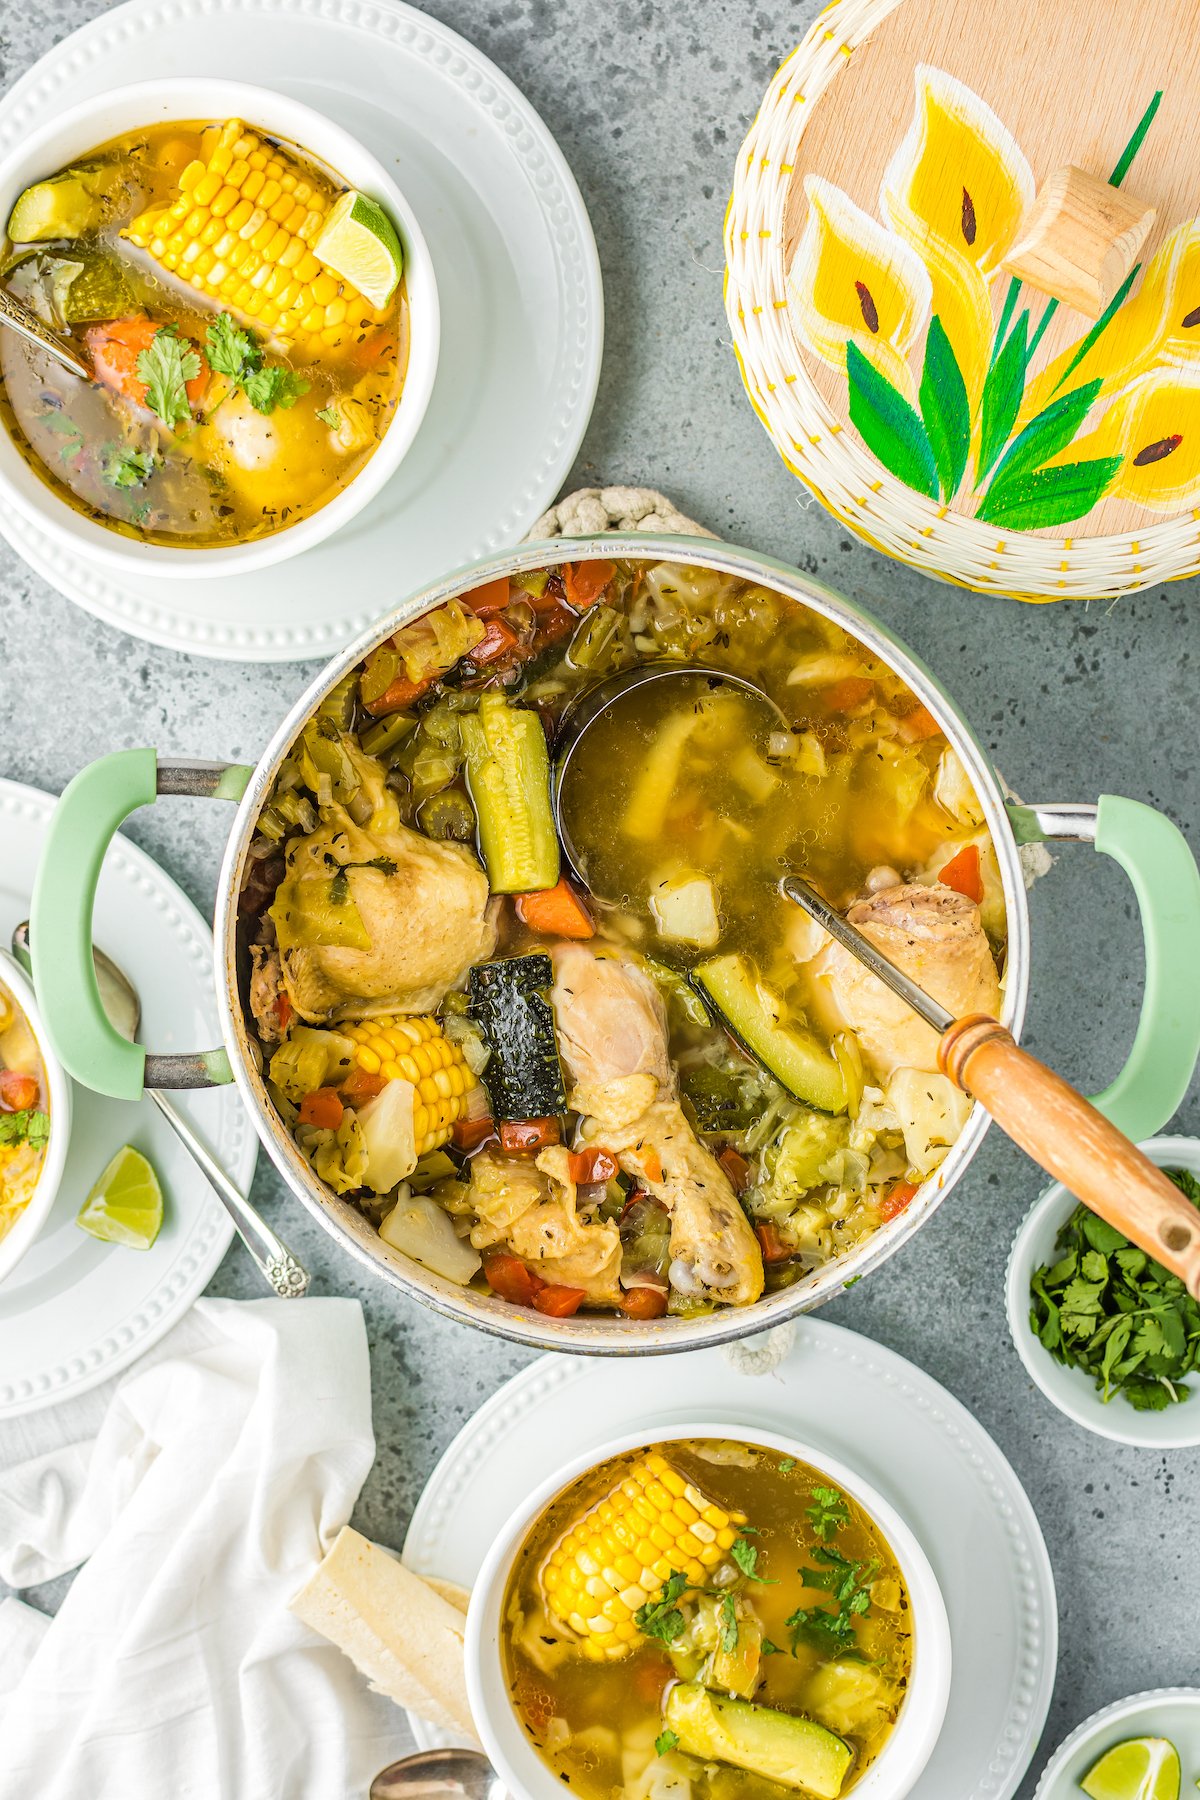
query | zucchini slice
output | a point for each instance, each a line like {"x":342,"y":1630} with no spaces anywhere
{"x":779,"y":1746}
{"x":794,"y":1056}
{"x":65,"y":206}
{"x":508,"y":776}
{"x":510,"y":1002}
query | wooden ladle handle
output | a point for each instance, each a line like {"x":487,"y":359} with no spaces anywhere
{"x":1055,"y":1125}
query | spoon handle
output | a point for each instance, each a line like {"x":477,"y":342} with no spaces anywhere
{"x":270,"y":1254}
{"x":24,"y":321}
{"x":1055,"y":1125}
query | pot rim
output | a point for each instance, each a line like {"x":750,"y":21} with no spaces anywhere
{"x":586,"y":1333}
{"x":914,"y":1735}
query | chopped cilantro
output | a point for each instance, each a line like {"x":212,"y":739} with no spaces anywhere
{"x":786,"y":1463}
{"x":727,"y":1624}
{"x":25,"y":1127}
{"x":662,"y":1618}
{"x":849,"y":1584}
{"x":266,"y":389}
{"x":769,"y":1649}
{"x":666,"y":1740}
{"x":828,"y":1512}
{"x":166,"y":367}
{"x":126,"y":468}
{"x":745,"y":1555}
{"x":329,"y":415}
{"x":237,"y":354}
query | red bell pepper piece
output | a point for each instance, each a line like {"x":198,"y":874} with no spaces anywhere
{"x":524,"y":1137}
{"x":323,"y":1108}
{"x":584,"y":582}
{"x":508,"y":1277}
{"x":592,"y":1164}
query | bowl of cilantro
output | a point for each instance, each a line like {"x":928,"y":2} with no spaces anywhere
{"x":1108,"y":1335}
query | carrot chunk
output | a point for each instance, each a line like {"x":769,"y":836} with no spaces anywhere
{"x":489,"y":597}
{"x":18,"y":1091}
{"x":559,"y":1302}
{"x":963,"y":874}
{"x":468,"y":1134}
{"x":592,"y":1164}
{"x":847,"y":694}
{"x":643,"y":1302}
{"x":323,"y":1108}
{"x":773,"y":1248}
{"x":507,"y":1276}
{"x":736,"y":1167}
{"x":556,"y":912}
{"x":524,"y":1137}
{"x":584,"y":582}
{"x":898,"y":1196}
{"x":918,"y":725}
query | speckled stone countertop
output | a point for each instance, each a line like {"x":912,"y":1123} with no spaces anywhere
{"x":650,"y":103}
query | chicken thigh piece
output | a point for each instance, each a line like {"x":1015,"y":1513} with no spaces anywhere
{"x":934,"y":935}
{"x":612,"y":1033}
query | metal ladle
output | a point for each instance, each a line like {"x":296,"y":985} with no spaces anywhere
{"x":268,"y":1251}
{"x":466,"y":1774}
{"x":1048,"y":1118}
{"x":24,"y":321}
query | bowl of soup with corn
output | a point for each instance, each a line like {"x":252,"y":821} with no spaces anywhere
{"x":256,"y":305}
{"x":35,"y":1118}
{"x":697,"y":1614}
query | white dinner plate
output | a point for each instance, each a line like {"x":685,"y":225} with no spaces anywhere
{"x":75,"y":1311}
{"x":518,"y":282}
{"x":863,"y":1404}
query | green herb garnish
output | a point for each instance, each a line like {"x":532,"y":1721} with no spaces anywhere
{"x":662,"y":1618}
{"x":666,"y":1740}
{"x":727,"y":1624}
{"x":25,"y":1127}
{"x":236,"y":354}
{"x":849,"y":1583}
{"x":329,"y":415}
{"x":166,"y":367}
{"x":769,"y":1649}
{"x":126,"y":468}
{"x":828,"y":1512}
{"x":745,"y":1555}
{"x":786,"y":1463}
{"x":1108,"y":1308}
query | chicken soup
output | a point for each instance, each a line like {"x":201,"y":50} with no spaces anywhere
{"x":706,"y":1621}
{"x":659,"y":1088}
{"x":241,"y":379}
{"x":24,"y":1112}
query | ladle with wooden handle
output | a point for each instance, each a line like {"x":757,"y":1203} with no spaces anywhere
{"x":1045,"y":1115}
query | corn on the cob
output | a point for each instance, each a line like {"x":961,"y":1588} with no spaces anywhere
{"x":415,"y":1050}
{"x":617,"y":1556}
{"x":241,"y":232}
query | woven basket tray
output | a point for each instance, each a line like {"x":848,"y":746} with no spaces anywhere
{"x":952,"y":416}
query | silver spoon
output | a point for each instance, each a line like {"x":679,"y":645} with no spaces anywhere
{"x":24,"y":321}
{"x":467,"y":1773}
{"x":268,"y":1251}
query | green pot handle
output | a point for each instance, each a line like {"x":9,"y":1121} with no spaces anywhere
{"x":92,"y":807}
{"x":1159,"y":862}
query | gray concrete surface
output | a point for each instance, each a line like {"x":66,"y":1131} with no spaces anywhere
{"x":650,"y":103}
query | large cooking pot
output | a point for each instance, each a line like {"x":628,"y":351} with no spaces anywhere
{"x":1147,"y":845}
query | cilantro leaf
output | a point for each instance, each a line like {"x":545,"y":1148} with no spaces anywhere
{"x":329,"y":415}
{"x":268,"y":388}
{"x":232,"y":351}
{"x":827,"y":1513}
{"x":126,"y":468}
{"x":166,"y":367}
{"x":833,"y":1633}
{"x":727,"y":1624}
{"x":769,"y":1649}
{"x":745,"y":1555}
{"x":666,"y":1740}
{"x":25,"y":1127}
{"x":786,"y":1463}
{"x":662,"y":1618}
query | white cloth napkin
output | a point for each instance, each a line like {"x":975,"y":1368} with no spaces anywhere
{"x":201,"y":1487}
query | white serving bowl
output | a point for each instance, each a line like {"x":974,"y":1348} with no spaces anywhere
{"x":893,"y":1773}
{"x":1070,"y":1389}
{"x":17,"y":1241}
{"x":93,"y":122}
{"x":1172,"y":1713}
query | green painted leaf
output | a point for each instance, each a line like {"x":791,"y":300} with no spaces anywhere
{"x":1002,"y":394}
{"x":1102,"y":323}
{"x":1045,"y":435}
{"x":945,"y":409}
{"x":889,"y":426}
{"x":1049,"y":496}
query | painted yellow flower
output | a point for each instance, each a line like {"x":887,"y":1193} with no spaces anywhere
{"x":1154,"y":426}
{"x":956,"y":190}
{"x":958,"y":177}
{"x":854,"y":281}
{"x":1160,"y":321}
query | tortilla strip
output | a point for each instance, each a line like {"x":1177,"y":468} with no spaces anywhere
{"x":405,"y":1634}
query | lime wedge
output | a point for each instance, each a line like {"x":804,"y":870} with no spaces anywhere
{"x":359,"y":243}
{"x":1142,"y":1768}
{"x":126,"y":1204}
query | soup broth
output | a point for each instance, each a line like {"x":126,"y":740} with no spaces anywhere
{"x":24,"y":1112}
{"x":239,"y":457}
{"x":805,"y":1614}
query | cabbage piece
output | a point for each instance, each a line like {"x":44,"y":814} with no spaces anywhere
{"x":803,"y":1151}
{"x":433,"y":644}
{"x":389,"y":1136}
{"x":953,"y":791}
{"x":932,"y":1113}
{"x":418,"y":1227}
{"x":339,"y":1157}
{"x":310,"y":1059}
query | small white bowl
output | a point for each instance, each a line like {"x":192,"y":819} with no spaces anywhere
{"x":894,"y":1772}
{"x":93,"y":122}
{"x":1172,"y":1713}
{"x":17,"y":1241}
{"x":1070,"y":1389}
